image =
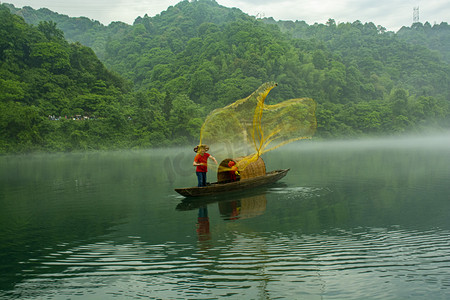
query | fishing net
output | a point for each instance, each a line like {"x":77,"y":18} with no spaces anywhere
{"x":250,"y":128}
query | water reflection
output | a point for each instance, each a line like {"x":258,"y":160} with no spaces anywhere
{"x":246,"y":207}
{"x":103,"y":226}
{"x":241,"y":208}
{"x":203,"y":224}
{"x":234,"y":205}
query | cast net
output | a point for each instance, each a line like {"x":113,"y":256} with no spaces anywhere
{"x":250,"y":128}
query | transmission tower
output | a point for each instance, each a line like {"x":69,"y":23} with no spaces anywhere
{"x":416,"y":15}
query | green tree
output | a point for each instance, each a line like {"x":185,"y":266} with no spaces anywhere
{"x":51,"y":32}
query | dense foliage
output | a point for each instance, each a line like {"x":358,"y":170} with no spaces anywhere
{"x":436,"y":37}
{"x":42,"y":75}
{"x":196,"y":56}
{"x":383,"y":84}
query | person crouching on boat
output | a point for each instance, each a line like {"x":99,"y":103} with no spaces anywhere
{"x":201,"y":162}
{"x":233,"y":170}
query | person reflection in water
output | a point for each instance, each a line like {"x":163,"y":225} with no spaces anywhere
{"x":201,"y":162}
{"x":203,"y":224}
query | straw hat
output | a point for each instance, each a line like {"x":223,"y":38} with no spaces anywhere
{"x":206,"y":147}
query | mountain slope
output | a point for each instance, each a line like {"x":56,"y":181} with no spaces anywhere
{"x":41,"y":75}
{"x":198,"y":55}
{"x":436,"y":37}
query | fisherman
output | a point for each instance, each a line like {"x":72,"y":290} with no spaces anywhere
{"x":233,"y":170}
{"x":201,"y":162}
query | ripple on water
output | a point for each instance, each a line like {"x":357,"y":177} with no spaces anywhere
{"x":348,"y":265}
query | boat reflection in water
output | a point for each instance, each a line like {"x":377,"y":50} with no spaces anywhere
{"x":242,"y":208}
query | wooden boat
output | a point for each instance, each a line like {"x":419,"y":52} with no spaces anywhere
{"x":224,"y":187}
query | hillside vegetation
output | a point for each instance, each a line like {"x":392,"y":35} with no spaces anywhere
{"x":164,"y":74}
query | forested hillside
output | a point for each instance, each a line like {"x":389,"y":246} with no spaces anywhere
{"x":57,"y":96}
{"x":197,"y":56}
{"x":436,"y":37}
{"x":88,"y":32}
{"x":42,"y":75}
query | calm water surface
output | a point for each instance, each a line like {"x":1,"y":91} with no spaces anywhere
{"x":351,"y":220}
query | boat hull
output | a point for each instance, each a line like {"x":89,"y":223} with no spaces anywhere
{"x":244,"y":184}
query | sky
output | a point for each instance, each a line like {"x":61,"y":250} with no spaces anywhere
{"x":391,"y":14}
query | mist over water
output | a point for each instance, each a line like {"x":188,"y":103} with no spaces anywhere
{"x":357,"y":219}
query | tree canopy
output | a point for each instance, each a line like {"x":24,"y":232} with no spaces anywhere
{"x":154,"y":82}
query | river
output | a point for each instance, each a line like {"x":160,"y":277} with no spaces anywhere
{"x":357,"y":219}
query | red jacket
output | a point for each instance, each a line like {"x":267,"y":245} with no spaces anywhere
{"x":203,"y":160}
